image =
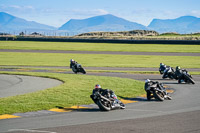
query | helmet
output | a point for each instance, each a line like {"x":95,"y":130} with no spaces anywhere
{"x":72,"y":60}
{"x":178,"y":67}
{"x":162,"y":64}
{"x":97,"y":86}
{"x":147,"y":80}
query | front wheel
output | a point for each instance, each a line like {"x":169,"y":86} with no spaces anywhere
{"x":158,"y":95}
{"x":83,"y":71}
{"x":189,"y":79}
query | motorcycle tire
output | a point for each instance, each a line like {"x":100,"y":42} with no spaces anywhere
{"x":158,"y":96}
{"x":189,"y":79}
{"x":148,"y":95}
{"x":74,"y":71}
{"x":169,"y":98}
{"x":102,"y":107}
{"x":83,"y":71}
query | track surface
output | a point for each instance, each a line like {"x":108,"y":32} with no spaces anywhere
{"x":142,"y":116}
{"x":11,"y":85}
{"x":182,"y":114}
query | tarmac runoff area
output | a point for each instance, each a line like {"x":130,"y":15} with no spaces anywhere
{"x":12,"y":85}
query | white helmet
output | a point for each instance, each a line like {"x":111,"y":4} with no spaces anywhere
{"x":147,"y":80}
{"x":97,"y":86}
{"x":161,"y":64}
{"x":72,"y":60}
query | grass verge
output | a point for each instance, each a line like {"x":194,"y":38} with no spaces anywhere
{"x":75,"y":46}
{"x":75,"y":90}
{"x":95,"y":60}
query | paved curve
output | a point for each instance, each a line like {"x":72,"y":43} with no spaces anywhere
{"x":11,"y":85}
{"x":182,"y":114}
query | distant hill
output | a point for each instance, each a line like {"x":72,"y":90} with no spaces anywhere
{"x":101,"y":23}
{"x":133,"y":33}
{"x":184,"y":24}
{"x":9,"y":23}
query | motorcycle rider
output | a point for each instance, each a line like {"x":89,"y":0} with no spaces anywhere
{"x":149,"y":83}
{"x":179,"y":74}
{"x":108,"y":93}
{"x":98,"y":88}
{"x":162,"y":68}
{"x":73,"y":63}
{"x":147,"y":88}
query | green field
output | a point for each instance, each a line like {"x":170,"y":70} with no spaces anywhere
{"x":76,"y":90}
{"x":98,"y":46}
{"x":96,"y":60}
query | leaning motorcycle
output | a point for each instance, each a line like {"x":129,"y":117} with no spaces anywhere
{"x":186,"y":77}
{"x":78,"y":68}
{"x":157,"y":91}
{"x":105,"y":103}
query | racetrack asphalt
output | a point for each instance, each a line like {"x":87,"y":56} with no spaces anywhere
{"x":179,"y":115}
{"x":11,"y":85}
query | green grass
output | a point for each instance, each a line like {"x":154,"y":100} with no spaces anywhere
{"x":96,"y":60}
{"x":76,"y":90}
{"x":98,"y":46}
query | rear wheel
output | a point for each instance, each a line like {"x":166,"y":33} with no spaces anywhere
{"x":148,"y":95}
{"x":158,"y":95}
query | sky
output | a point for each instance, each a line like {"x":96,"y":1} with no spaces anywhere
{"x":58,"y":12}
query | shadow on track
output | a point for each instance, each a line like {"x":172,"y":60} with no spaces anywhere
{"x":138,"y":99}
{"x":79,"y":109}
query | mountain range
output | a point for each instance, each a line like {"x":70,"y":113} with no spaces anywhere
{"x":9,"y":23}
{"x":184,"y":24}
{"x":101,"y":23}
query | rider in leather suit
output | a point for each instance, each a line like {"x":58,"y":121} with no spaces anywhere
{"x":73,"y":63}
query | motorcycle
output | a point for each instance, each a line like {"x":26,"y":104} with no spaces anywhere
{"x":157,"y":91}
{"x":105,"y":103}
{"x":78,"y":68}
{"x":186,"y":77}
{"x":169,"y":73}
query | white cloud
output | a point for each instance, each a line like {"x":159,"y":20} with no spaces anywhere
{"x":102,"y":11}
{"x":195,"y":13}
{"x":16,"y":8}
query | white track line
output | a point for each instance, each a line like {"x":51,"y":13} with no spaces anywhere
{"x":33,"y":131}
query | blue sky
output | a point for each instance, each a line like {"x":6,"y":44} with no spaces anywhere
{"x":58,"y":12}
